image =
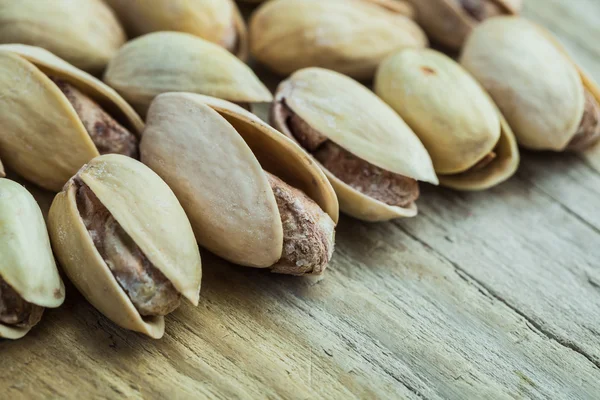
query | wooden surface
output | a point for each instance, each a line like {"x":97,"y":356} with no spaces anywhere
{"x":483,"y":295}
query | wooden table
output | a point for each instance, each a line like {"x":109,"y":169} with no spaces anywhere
{"x":483,"y":295}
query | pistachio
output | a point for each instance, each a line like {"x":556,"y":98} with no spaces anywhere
{"x":348,"y":36}
{"x":218,"y":21}
{"x":55,"y":117}
{"x":125,"y":242}
{"x":548,"y":101}
{"x":472,"y":148}
{"x":85,"y":33}
{"x":372,"y":158}
{"x":29,"y":279}
{"x":449,"y":22}
{"x":215,"y":156}
{"x":2,"y":173}
{"x":172,"y":61}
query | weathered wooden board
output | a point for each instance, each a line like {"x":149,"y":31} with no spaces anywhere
{"x":484,"y":295}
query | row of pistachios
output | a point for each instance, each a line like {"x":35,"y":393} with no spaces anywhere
{"x":123,"y":236}
{"x":164,"y":152}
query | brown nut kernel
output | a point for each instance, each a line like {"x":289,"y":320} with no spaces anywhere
{"x":589,"y":129}
{"x":16,"y":311}
{"x":107,"y":134}
{"x":149,"y":290}
{"x":308,"y":232}
{"x":387,"y":187}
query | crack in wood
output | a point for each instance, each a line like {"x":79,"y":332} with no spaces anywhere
{"x":476,"y":282}
{"x":563,"y":206}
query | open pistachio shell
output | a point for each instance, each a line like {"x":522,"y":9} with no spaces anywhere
{"x":212,"y":153}
{"x":348,"y":36}
{"x":41,"y":136}
{"x":452,"y":115}
{"x":449,"y":22}
{"x":173,"y":61}
{"x":2,"y":173}
{"x":540,"y":91}
{"x":218,"y":21}
{"x":351,"y":116}
{"x":150,"y":214}
{"x":27,"y":263}
{"x":86,"y":33}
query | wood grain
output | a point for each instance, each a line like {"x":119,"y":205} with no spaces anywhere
{"x":483,"y":295}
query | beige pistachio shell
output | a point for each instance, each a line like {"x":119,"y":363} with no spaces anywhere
{"x":27,"y":263}
{"x":348,"y":36}
{"x":218,"y":21}
{"x":149,"y":213}
{"x":538,"y":89}
{"x":41,"y":136}
{"x":279,"y":155}
{"x":172,"y":61}
{"x":443,"y":104}
{"x":353,"y":117}
{"x":499,"y":170}
{"x":2,"y":173}
{"x":449,"y":23}
{"x":211,"y":165}
{"x":86,"y":33}
{"x":450,"y":112}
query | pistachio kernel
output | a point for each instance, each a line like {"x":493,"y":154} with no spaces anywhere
{"x":379,"y":184}
{"x":16,"y":311}
{"x":308,"y":232}
{"x":108,"y":135}
{"x":148,"y":289}
{"x":588,"y":132}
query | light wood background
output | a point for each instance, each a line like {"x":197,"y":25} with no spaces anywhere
{"x":483,"y":295}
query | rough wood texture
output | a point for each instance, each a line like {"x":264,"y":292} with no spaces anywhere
{"x":484,"y":295}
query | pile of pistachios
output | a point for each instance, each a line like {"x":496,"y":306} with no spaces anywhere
{"x":138,"y":114}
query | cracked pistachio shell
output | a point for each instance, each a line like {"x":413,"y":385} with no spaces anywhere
{"x":212,"y":153}
{"x":348,"y":36}
{"x":172,"y":61}
{"x":149,"y":213}
{"x":449,"y":22}
{"x":41,"y":136}
{"x":86,"y":33}
{"x":2,"y":173}
{"x":531,"y":78}
{"x":350,"y":115}
{"x":452,"y":115}
{"x":218,"y":21}
{"x":26,"y":260}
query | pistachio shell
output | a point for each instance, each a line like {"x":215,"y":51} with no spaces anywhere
{"x":503,"y":166}
{"x":149,"y":213}
{"x":279,"y":155}
{"x":172,"y":61}
{"x":218,"y":21}
{"x":348,"y":36}
{"x":86,"y":33}
{"x":351,"y":116}
{"x":537,"y":87}
{"x":449,"y":23}
{"x":27,"y":262}
{"x":42,"y":138}
{"x":2,"y":173}
{"x":211,"y":164}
